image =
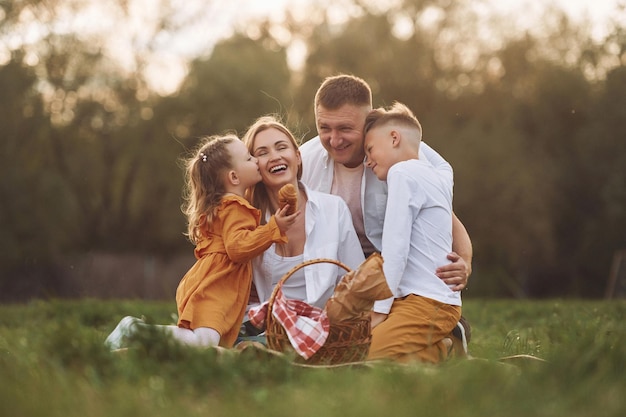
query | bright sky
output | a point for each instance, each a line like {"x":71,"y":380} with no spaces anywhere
{"x":596,"y":10}
{"x":523,"y":14}
{"x":217,"y":19}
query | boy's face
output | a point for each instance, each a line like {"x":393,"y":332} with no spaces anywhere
{"x":380,"y":151}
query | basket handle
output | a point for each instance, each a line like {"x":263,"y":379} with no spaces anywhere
{"x":293,"y":271}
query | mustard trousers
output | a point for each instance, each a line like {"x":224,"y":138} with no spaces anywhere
{"x":414,"y":330}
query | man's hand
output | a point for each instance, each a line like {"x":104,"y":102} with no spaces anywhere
{"x":455,"y":273}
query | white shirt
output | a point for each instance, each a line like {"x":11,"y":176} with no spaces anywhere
{"x":318,"y":171}
{"x":329,"y":234}
{"x":418,"y":237}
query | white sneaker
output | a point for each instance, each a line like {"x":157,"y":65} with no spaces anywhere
{"x":461,"y":331}
{"x":461,"y":337}
{"x":126,"y":327}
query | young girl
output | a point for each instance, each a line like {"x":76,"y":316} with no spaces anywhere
{"x":212,"y":296}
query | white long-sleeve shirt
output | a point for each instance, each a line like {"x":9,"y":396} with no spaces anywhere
{"x":418,"y":236}
{"x":318,"y":171}
{"x":329,"y":234}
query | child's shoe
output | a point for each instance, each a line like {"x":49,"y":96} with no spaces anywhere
{"x":126,"y":327}
{"x":460,"y":338}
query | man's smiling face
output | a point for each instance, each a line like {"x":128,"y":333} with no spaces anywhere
{"x":341,"y":133}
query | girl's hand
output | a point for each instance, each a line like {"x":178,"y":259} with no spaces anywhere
{"x":285,"y":221}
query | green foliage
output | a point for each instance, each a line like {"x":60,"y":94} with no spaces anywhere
{"x":53,"y":363}
{"x":26,"y":178}
{"x":241,"y":80}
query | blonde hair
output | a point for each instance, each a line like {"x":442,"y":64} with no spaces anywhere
{"x":257,"y":195}
{"x":397,"y":113}
{"x":342,"y":89}
{"x":205,"y":176}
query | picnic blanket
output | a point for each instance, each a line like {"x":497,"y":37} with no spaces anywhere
{"x":306,"y":326}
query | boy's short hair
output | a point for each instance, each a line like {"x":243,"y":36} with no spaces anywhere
{"x":397,"y":113}
{"x":339,"y":90}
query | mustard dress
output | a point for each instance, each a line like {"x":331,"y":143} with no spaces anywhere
{"x":214,"y":292}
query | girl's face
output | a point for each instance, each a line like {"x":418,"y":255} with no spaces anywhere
{"x":278,"y":158}
{"x":245,"y":165}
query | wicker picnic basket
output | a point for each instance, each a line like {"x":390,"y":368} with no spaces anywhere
{"x":348,"y":341}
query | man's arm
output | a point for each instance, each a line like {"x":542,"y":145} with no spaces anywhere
{"x":458,"y":272}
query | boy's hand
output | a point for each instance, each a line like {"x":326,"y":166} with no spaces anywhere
{"x":455,"y":273}
{"x":285,"y":221}
{"x":377,"y":318}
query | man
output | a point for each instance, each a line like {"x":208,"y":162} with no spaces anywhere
{"x":333,"y":163}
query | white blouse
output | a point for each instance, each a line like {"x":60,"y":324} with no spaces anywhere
{"x":329,"y":234}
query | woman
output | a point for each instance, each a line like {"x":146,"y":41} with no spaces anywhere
{"x":324,"y":228}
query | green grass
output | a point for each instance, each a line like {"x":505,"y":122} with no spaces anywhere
{"x":53,"y":363}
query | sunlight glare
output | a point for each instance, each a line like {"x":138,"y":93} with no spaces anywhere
{"x":166,"y":72}
{"x":403,"y":27}
{"x":431,"y":17}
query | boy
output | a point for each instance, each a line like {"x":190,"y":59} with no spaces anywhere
{"x":417,"y":237}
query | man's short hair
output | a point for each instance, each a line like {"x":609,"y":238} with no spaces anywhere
{"x":342,"y":89}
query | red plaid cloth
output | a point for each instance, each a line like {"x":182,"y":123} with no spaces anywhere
{"x":306,"y":326}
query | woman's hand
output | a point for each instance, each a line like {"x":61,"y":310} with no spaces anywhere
{"x":455,"y":273}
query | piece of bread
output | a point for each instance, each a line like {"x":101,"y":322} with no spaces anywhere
{"x":288,"y":194}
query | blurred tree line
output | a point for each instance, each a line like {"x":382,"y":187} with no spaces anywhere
{"x":532,"y":124}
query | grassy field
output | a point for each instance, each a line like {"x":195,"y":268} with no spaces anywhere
{"x":53,"y":363}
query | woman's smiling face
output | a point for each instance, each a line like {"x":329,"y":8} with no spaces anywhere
{"x":277,"y":156}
